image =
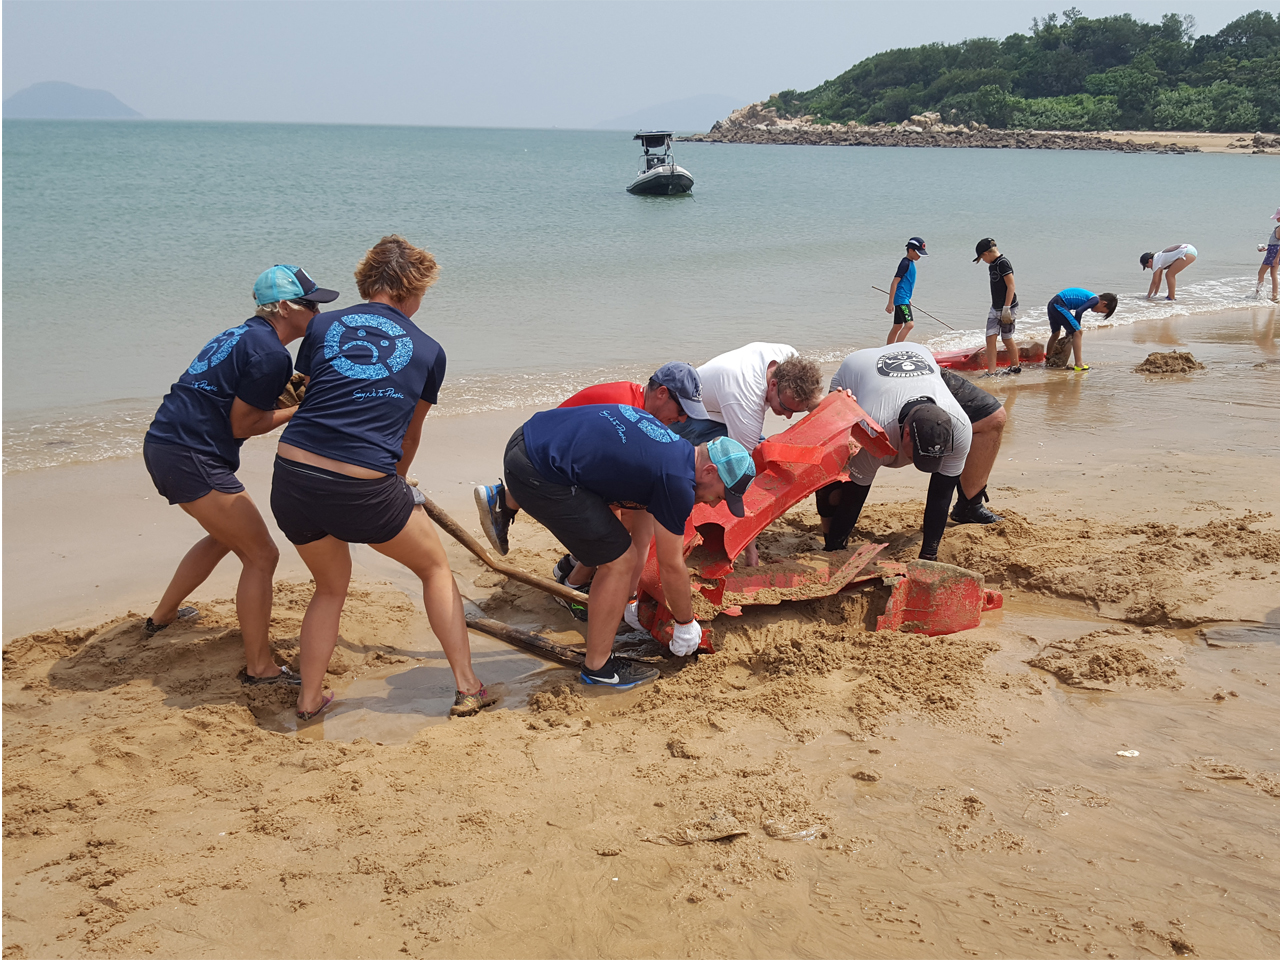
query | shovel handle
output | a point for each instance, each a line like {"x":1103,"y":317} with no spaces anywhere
{"x":455,"y":530}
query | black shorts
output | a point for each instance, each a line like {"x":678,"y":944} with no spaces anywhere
{"x":976,"y":403}
{"x":902,"y":313}
{"x":182,"y":475}
{"x":578,"y":518}
{"x":311,"y":503}
{"x":1062,"y":321}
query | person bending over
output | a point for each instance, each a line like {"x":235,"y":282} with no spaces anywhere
{"x":741,"y":386}
{"x":672,"y":391}
{"x":1166,"y":265}
{"x":228,"y":393}
{"x":1065,"y":312}
{"x":900,"y":386}
{"x":568,"y":467}
{"x":341,"y":463}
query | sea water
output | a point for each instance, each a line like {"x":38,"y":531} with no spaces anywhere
{"x":127,"y":245}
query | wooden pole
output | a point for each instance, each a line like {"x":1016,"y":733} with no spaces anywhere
{"x":925,"y":312}
{"x":531,"y":642}
{"x":455,"y":530}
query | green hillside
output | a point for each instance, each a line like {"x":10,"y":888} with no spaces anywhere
{"x":1070,"y":73}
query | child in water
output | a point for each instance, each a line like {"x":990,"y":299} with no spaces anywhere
{"x":1270,"y":260}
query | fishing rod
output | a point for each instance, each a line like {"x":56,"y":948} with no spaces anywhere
{"x":925,"y":312}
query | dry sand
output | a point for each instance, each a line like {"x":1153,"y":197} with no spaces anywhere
{"x":814,"y":789}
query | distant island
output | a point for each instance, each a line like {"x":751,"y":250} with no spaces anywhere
{"x":55,"y":100}
{"x":1072,"y":73}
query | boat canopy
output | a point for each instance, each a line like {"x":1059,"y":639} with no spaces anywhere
{"x":654,"y":139}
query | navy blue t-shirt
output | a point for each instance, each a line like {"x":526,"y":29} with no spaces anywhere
{"x":621,"y":454}
{"x":248,"y":362}
{"x":369,"y":366}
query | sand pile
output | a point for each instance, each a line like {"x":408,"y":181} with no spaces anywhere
{"x":1114,"y":658}
{"x":1172,"y":362}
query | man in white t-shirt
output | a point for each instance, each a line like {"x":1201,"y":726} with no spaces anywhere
{"x":902,"y":389}
{"x":740,"y":387}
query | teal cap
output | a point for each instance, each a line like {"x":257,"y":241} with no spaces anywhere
{"x":736,"y":469}
{"x":287,"y":282}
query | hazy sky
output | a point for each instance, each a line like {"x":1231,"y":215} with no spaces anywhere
{"x":522,"y":64}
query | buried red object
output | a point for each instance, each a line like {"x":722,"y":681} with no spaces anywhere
{"x":975,"y":358}
{"x":927,"y":597}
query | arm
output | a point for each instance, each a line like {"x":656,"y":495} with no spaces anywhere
{"x":893,"y":288}
{"x":248,"y":421}
{"x":412,"y":437}
{"x":1087,"y":305}
{"x":674,"y":574}
{"x":1009,"y":292}
{"x":941,"y":489}
{"x":1156,"y":277}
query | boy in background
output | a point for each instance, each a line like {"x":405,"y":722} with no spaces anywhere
{"x":1003,"y":317}
{"x":1065,"y":310}
{"x":904,"y":283}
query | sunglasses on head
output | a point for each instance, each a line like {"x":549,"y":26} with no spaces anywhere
{"x":308,"y":305}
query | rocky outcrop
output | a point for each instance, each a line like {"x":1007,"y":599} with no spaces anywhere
{"x":758,"y":123}
{"x":1258,"y":143}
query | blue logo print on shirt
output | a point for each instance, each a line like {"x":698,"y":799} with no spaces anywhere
{"x":348,"y":339}
{"x":217,"y":349}
{"x":650,"y":426}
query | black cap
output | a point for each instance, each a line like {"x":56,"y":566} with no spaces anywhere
{"x":1146,"y":259}
{"x":312,"y":290}
{"x":917,"y":244}
{"x":932,"y":435}
{"x":985,"y":244}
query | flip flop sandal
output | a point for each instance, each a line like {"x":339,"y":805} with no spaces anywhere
{"x":305,"y":715}
{"x":284,"y":676}
{"x":151,"y":628}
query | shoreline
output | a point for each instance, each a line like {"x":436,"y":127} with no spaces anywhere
{"x":758,"y":125}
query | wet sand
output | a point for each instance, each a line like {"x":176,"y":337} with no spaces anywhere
{"x":812,"y":789}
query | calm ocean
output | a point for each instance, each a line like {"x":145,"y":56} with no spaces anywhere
{"x":128,"y":245}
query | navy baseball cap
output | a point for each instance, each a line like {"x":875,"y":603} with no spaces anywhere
{"x":286,"y":282}
{"x":983,"y":246}
{"x":932,"y":435}
{"x":736,"y":469}
{"x":683,"y":382}
{"x":917,"y":244}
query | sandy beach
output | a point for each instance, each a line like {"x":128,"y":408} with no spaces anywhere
{"x":812,"y":789}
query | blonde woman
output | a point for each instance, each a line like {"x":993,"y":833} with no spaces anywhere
{"x":341,"y":463}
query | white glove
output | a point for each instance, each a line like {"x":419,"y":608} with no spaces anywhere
{"x":686,"y":638}
{"x":1006,"y":315}
{"x":632,"y":615}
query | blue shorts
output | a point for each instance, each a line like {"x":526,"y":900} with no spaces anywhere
{"x":311,"y":503}
{"x":182,"y":475}
{"x":1269,"y":258}
{"x":700,"y":431}
{"x":1058,"y":320}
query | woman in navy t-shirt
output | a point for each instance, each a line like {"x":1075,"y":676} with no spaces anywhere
{"x":192,"y":451}
{"x":339,"y":475}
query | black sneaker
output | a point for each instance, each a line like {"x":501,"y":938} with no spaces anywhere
{"x":579,"y":610}
{"x":620,"y":674}
{"x":564,"y":566}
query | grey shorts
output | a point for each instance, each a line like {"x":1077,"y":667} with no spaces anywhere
{"x":993,"y":323}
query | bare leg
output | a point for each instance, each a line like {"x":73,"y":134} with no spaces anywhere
{"x":418,"y":547}
{"x":991,"y":353}
{"x":329,"y":561}
{"x":609,"y":594}
{"x":893,"y":328}
{"x":983,"y":450}
{"x":1012,"y":349}
{"x":233,"y":520}
{"x":1275,"y":291}
{"x":1077,"y":340}
{"x":1176,"y":268}
{"x":194,"y":570}
{"x":1048,"y":347}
